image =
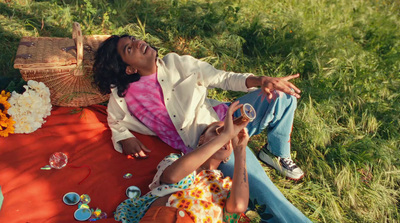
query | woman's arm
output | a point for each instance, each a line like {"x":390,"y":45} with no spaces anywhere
{"x":193,"y":160}
{"x":239,"y":194}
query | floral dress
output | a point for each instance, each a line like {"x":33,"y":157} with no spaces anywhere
{"x":205,"y":200}
{"x":202,"y":195}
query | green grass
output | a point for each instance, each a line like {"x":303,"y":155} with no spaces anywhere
{"x":346,"y":133}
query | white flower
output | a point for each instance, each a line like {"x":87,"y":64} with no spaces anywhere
{"x":31,"y":107}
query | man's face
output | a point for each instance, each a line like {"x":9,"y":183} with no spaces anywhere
{"x":139,"y":56}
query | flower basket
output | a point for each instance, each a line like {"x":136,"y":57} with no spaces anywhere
{"x":64,"y":65}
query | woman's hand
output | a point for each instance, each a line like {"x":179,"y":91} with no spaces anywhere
{"x":239,"y":143}
{"x":231,"y":129}
{"x":238,"y":201}
{"x":135,"y":148}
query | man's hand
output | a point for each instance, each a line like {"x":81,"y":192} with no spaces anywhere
{"x":269,"y":84}
{"x":133,"y":147}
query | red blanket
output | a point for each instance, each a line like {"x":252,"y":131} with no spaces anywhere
{"x":35,"y":195}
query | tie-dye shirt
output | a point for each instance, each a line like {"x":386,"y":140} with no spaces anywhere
{"x":145,"y":101}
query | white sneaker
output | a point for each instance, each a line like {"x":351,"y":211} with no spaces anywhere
{"x":285,"y":166}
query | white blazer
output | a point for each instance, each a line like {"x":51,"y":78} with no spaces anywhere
{"x":184,"y":81}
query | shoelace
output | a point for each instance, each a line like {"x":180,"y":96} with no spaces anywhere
{"x":289,"y":163}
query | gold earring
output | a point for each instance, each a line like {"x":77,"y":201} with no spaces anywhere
{"x":226,"y":160}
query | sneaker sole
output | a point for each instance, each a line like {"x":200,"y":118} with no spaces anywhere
{"x":263,"y":156}
{"x":280,"y":172}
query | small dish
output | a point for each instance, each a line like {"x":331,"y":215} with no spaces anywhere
{"x":133,"y":192}
{"x":82,"y":214}
{"x":71,"y":198}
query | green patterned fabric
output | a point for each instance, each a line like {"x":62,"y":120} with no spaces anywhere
{"x":1,"y":198}
{"x":230,"y":217}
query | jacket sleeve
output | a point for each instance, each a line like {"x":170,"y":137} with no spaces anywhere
{"x":211,"y":77}
{"x":115,"y":119}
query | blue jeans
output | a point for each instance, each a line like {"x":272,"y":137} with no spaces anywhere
{"x":277,"y":117}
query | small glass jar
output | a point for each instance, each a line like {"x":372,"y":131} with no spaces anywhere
{"x":247,"y":113}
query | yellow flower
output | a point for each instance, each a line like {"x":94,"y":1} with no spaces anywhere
{"x":4,"y":105}
{"x":6,"y":125}
{"x":3,"y":120}
{"x":4,"y":94}
{"x":6,"y":121}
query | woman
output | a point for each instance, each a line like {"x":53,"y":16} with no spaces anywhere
{"x":191,"y":188}
{"x":168,"y":97}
